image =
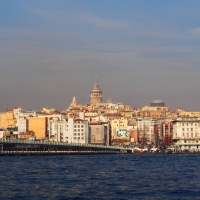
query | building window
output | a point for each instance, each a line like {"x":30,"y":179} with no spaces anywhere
{"x":191,"y":129}
{"x":82,"y":138}
{"x":182,"y":124}
{"x":183,"y":134}
{"x":191,"y":134}
{"x":183,"y":129}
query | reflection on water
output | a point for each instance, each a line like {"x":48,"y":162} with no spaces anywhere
{"x":100,"y":177}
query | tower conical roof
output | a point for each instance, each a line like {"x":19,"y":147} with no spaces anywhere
{"x":96,"y":85}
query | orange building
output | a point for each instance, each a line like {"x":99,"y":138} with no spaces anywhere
{"x":134,"y":135}
{"x":39,"y":126}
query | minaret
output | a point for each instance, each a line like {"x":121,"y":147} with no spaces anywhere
{"x":95,"y":94}
{"x":73,"y":104}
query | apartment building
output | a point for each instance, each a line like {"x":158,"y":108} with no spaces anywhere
{"x":77,"y":131}
{"x":186,"y":133}
{"x":146,"y":130}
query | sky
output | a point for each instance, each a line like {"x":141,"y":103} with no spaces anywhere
{"x":141,"y":50}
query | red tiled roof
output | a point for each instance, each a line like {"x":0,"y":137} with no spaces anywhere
{"x":112,"y":114}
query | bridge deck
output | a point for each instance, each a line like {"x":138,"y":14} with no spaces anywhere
{"x":60,"y":145}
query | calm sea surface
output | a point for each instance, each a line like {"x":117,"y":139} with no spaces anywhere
{"x":100,"y":177}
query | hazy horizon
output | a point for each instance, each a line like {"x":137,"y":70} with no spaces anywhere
{"x":50,"y":52}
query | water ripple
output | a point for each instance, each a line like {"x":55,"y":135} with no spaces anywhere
{"x":100,"y":177}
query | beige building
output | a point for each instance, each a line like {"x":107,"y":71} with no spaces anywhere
{"x":95,"y":94}
{"x":39,"y":126}
{"x":189,"y":114}
{"x":48,"y":110}
{"x":7,"y":119}
{"x":97,"y":135}
{"x":186,"y":133}
{"x":153,"y":114}
{"x":119,"y":128}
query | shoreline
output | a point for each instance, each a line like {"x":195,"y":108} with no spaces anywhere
{"x":19,"y":153}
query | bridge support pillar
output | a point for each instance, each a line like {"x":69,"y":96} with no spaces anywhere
{"x":1,"y":147}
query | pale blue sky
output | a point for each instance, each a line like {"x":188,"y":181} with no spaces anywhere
{"x":140,"y":50}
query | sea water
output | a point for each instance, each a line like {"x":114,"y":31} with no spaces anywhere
{"x":120,"y":176}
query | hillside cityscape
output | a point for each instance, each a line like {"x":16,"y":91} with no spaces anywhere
{"x":105,"y":123}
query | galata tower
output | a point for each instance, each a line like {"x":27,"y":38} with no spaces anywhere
{"x":95,"y":94}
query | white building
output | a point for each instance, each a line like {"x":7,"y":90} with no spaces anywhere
{"x":56,"y":127}
{"x":22,"y":124}
{"x":23,"y":113}
{"x":146,"y":130}
{"x":77,"y":131}
{"x":68,"y":130}
{"x":186,"y":133}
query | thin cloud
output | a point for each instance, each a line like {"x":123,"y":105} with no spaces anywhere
{"x":102,"y":23}
{"x":196,"y":31}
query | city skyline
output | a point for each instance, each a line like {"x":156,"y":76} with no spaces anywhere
{"x":141,"y":51}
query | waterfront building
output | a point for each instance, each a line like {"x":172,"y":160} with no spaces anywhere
{"x":56,"y":127}
{"x":77,"y":131}
{"x":98,"y":133}
{"x":39,"y":126}
{"x":120,"y":130}
{"x":186,"y":133}
{"x":95,"y":94}
{"x":56,"y":130}
{"x":134,"y":136}
{"x":146,"y":130}
{"x":166,"y":132}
